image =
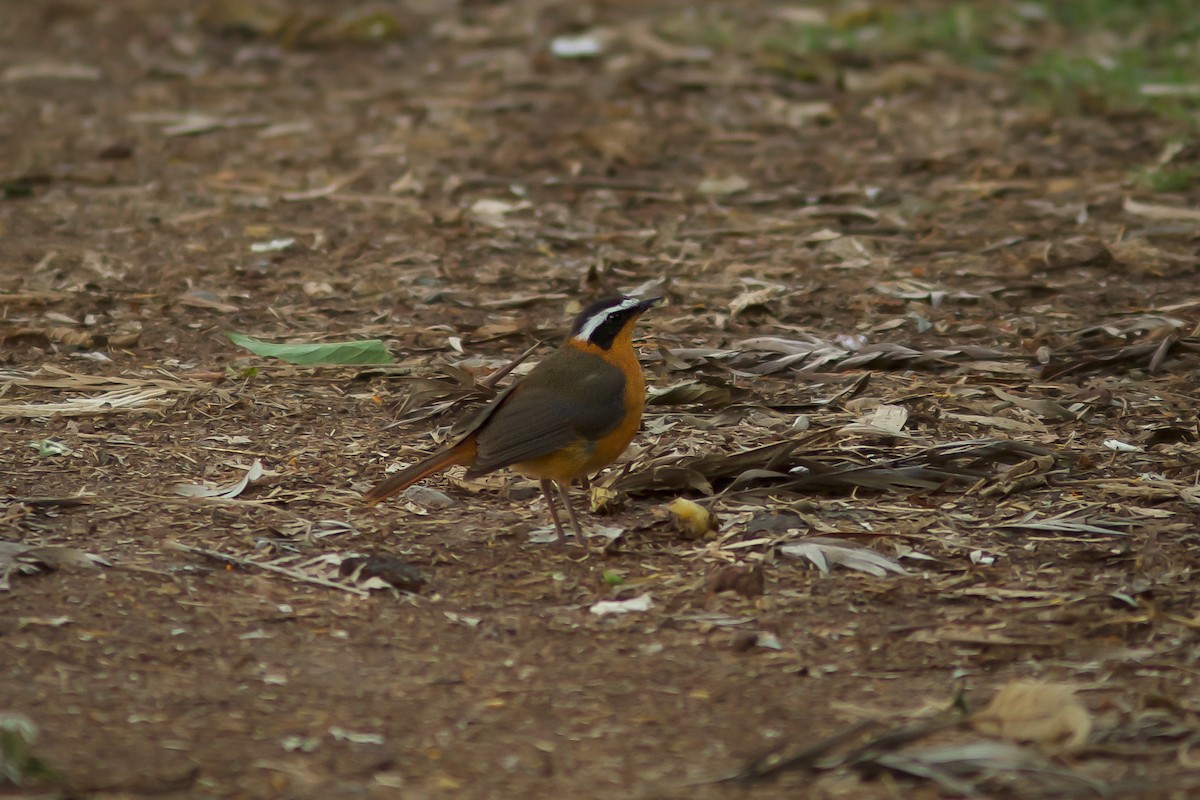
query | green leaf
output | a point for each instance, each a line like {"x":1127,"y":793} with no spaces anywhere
{"x":18,"y":765}
{"x":364,"y":351}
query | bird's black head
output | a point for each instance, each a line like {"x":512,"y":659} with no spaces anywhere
{"x":602,"y":322}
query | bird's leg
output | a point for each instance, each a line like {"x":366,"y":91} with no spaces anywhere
{"x":579,"y":536}
{"x":585,"y":483}
{"x":562,"y":539}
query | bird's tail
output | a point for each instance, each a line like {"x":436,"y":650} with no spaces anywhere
{"x":461,"y":453}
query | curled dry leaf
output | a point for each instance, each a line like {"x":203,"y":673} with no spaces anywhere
{"x":823,"y":552}
{"x":228,"y":492}
{"x":885,"y":420}
{"x":428,"y":497}
{"x":1020,"y":477}
{"x":602,"y":500}
{"x":1072,"y":521}
{"x":1046,"y":714}
{"x":754,"y":298}
{"x":363,"y":351}
{"x":960,"y":768}
{"x":1043,"y":407}
{"x":355,"y":737}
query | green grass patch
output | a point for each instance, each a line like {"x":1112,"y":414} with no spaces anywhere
{"x":889,"y":33}
{"x":1117,"y":82}
{"x":1115,"y":56}
{"x":1167,"y":178}
{"x":19,"y":765}
{"x":1076,"y":56}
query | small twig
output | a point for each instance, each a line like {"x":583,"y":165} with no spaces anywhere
{"x":1161,"y":353}
{"x":59,"y":502}
{"x":578,"y":182}
{"x":246,"y":562}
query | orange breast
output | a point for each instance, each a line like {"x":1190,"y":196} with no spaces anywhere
{"x":610,"y":447}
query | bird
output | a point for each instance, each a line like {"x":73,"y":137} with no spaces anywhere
{"x":571,"y":415}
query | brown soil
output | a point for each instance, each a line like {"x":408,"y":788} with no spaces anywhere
{"x":938,"y":210}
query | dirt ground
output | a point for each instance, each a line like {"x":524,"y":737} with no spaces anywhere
{"x":966,"y":340}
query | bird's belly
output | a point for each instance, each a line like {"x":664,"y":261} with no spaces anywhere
{"x":610,"y":447}
{"x":562,"y":466}
{"x":581,"y":458}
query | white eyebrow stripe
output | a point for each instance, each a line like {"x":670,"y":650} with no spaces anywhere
{"x":597,"y":319}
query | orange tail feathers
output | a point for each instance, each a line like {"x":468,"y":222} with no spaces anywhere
{"x":461,"y":453}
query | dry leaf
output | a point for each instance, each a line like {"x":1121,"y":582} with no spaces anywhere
{"x":799,"y":114}
{"x":723,"y":185}
{"x":1160,"y":212}
{"x":1149,"y":258}
{"x":622,"y":141}
{"x":198,"y":298}
{"x":824,"y":552}
{"x":640,"y":36}
{"x":642,"y":602}
{"x":1020,"y":477}
{"x":891,"y":79}
{"x":602,"y":500}
{"x":254,"y":472}
{"x":1046,"y":409}
{"x":50,"y":70}
{"x":493,"y":213}
{"x":1046,"y":714}
{"x":752,"y":299}
{"x":957,"y":767}
{"x":885,"y":420}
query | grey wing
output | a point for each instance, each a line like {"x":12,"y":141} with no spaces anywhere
{"x":534,"y":422}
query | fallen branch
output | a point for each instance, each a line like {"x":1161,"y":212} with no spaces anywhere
{"x":295,"y":575}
